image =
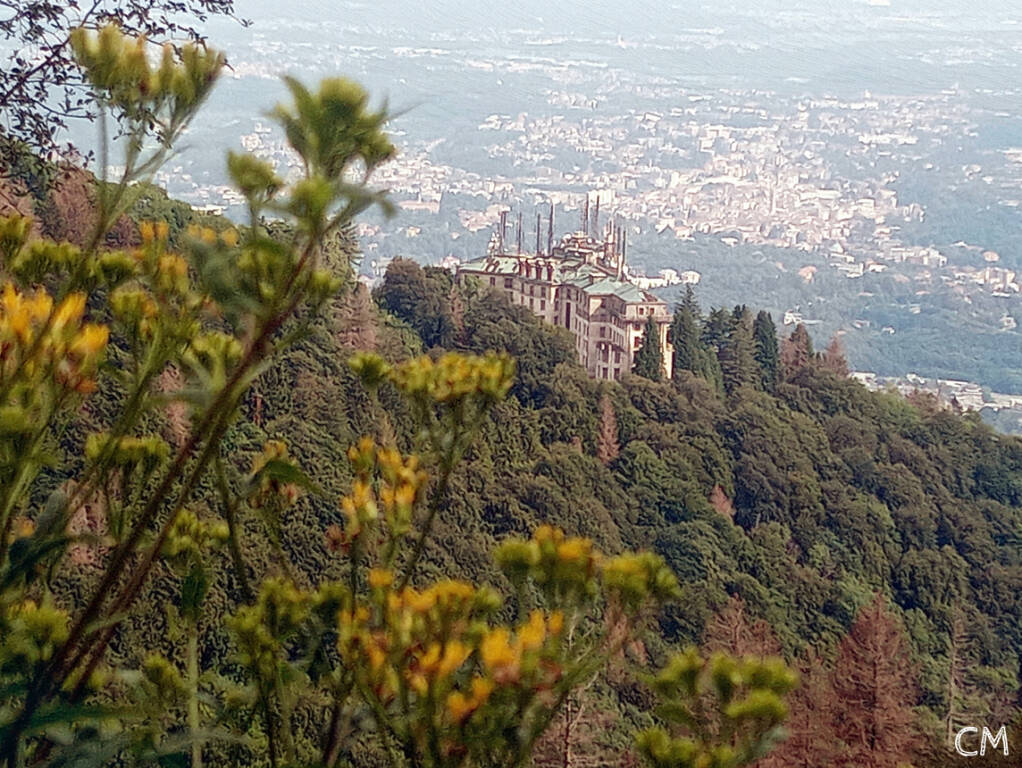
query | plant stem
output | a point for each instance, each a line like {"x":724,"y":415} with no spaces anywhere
{"x":194,"y":723}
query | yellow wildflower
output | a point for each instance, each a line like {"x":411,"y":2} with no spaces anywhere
{"x":455,"y":653}
{"x":574,"y":550}
{"x":459,"y":706}
{"x":532,"y":634}
{"x":556,"y":623}
{"x":70,"y":311}
{"x":380,"y":578}
{"x":91,"y":340}
{"x":495,"y":649}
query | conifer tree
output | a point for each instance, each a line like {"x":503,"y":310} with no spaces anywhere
{"x":733,"y":631}
{"x":355,"y":321}
{"x":689,"y":354}
{"x":649,"y":359}
{"x":607,"y":447}
{"x":875,"y":689}
{"x":833,"y":358}
{"x":737,"y":354}
{"x":768,"y":354}
{"x":716,"y":329}
{"x":796,"y":351}
{"x":811,"y":740}
{"x":457,"y":313}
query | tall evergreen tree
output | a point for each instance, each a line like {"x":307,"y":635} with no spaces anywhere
{"x":689,"y":353}
{"x":875,"y":688}
{"x":737,"y":354}
{"x":607,"y":448}
{"x":649,"y":359}
{"x":768,"y":354}
{"x":716,"y":329}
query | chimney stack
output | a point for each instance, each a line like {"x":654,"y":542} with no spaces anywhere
{"x":519,"y":237}
{"x":550,"y":232}
{"x":585,"y":215}
{"x":503,"y":229}
{"x":539,"y":224}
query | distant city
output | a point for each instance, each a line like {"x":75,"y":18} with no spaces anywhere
{"x":856,"y":167}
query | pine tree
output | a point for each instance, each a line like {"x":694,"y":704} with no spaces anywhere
{"x":737,"y":354}
{"x":875,"y":689}
{"x":689,"y":353}
{"x":768,"y":354}
{"x":355,"y":321}
{"x":607,"y":448}
{"x":811,"y":742}
{"x":716,"y":329}
{"x":731,"y":630}
{"x":457,"y":314}
{"x":649,"y":359}
{"x":834,"y":357}
{"x":796,"y":351}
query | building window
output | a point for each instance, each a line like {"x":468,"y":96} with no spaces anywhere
{"x":617,"y":357}
{"x":509,"y":282}
{"x":603,"y":332}
{"x":493,"y":281}
{"x":542,"y":305}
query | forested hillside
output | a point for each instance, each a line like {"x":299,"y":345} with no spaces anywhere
{"x":784,"y":496}
{"x":761,"y":472}
{"x":252,"y":514}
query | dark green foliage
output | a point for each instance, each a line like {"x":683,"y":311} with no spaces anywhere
{"x":836,"y":493}
{"x":420,"y":297}
{"x":690,"y":350}
{"x":737,"y":354}
{"x":768,"y":354}
{"x":649,"y":358}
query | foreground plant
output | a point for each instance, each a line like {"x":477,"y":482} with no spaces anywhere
{"x":722,"y":711}
{"x":213,"y":313}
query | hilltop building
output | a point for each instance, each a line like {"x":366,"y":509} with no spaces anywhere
{"x":579,"y":283}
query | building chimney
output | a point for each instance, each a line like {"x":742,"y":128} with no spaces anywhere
{"x":539,"y":225}
{"x":503,"y":229}
{"x":550,"y":232}
{"x":596,"y":218}
{"x":585,"y":215}
{"x":519,"y":235}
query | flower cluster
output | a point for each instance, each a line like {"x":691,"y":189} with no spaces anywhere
{"x":455,"y":377}
{"x":119,"y":66}
{"x":273,"y":477}
{"x":30,"y":632}
{"x":40,"y":339}
{"x":262,"y":629}
{"x":127,"y":452}
{"x":726,"y":711}
{"x":435,"y":661}
{"x":384,"y":480}
{"x":189,"y":536}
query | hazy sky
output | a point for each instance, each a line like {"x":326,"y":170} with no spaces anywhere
{"x":638,"y":15}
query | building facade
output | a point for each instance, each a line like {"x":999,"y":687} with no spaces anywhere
{"x":581,"y":284}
